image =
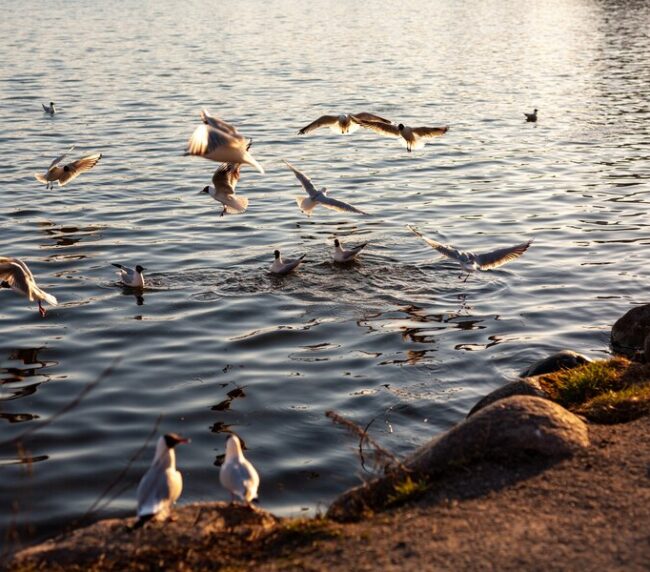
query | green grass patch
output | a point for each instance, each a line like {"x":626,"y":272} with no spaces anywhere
{"x":618,"y":406}
{"x":407,"y":489}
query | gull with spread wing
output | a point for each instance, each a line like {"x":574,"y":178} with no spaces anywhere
{"x":470,"y":261}
{"x":315,"y":198}
{"x":411,"y":137}
{"x":15,"y":275}
{"x":162,"y":484}
{"x":344,"y":123}
{"x":219,"y":141}
{"x":66,"y":173}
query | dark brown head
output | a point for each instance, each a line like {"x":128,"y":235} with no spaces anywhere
{"x":173,"y":439}
{"x":139,"y":269}
{"x":206,"y":189}
{"x":400,"y":127}
{"x":276,"y":253}
{"x":336,"y":242}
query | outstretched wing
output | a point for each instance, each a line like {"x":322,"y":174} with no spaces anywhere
{"x":226,"y":176}
{"x":218,"y":123}
{"x":446,"y":250}
{"x":304,"y":180}
{"x":500,"y":256}
{"x":427,"y":132}
{"x":323,"y":121}
{"x":73,"y":170}
{"x":337,"y":205}
{"x":13,"y":273}
{"x":381,"y":127}
{"x":365,"y":116}
{"x":60,"y":158}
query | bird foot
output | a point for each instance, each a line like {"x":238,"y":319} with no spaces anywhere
{"x":41,"y":310}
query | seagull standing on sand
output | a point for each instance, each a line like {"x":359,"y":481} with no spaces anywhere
{"x":470,"y":261}
{"x":344,"y":123}
{"x":309,"y":203}
{"x":412,"y":137}
{"x":237,"y":474}
{"x":131,"y":277}
{"x":15,"y":274}
{"x":49,"y":109}
{"x":162,"y":484}
{"x":531,"y":117}
{"x":344,"y":255}
{"x":225,"y":180}
{"x":219,"y":141}
{"x":280,"y":266}
{"x":66,"y":173}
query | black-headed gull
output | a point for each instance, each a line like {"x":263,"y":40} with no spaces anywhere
{"x":346,"y":255}
{"x":471,"y":261}
{"x":237,"y":474}
{"x":66,"y":173}
{"x":344,"y":123}
{"x":280,"y":266}
{"x":15,"y":274}
{"x":411,"y":137}
{"x":131,"y":277}
{"x":219,"y":141}
{"x":309,"y":203}
{"x":49,"y":109}
{"x":162,"y":484}
{"x":531,"y":117}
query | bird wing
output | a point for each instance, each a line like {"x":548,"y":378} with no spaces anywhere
{"x":73,"y":170}
{"x":217,"y":123}
{"x":12,"y":272}
{"x":290,"y":264}
{"x":352,"y":252}
{"x":153,"y":491}
{"x":60,"y":158}
{"x":305,"y":181}
{"x":323,"y":121}
{"x":206,"y":139}
{"x":381,"y":127}
{"x":444,"y":249}
{"x":225,"y":177}
{"x":427,"y":132}
{"x":337,"y":205}
{"x":500,"y":256}
{"x":45,"y":108}
{"x":365,"y":116}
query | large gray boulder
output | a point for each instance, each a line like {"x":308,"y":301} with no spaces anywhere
{"x":507,"y":429}
{"x":527,"y":386}
{"x":565,"y":359}
{"x":630,"y":331}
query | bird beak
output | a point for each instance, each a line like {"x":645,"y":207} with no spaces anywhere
{"x":185,"y":441}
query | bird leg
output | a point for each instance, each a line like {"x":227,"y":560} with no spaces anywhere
{"x":41,"y":310}
{"x":223,"y":212}
{"x":466,"y":277}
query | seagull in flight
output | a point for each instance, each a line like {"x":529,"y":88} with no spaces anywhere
{"x":344,"y":255}
{"x":309,"y":203}
{"x":225,"y":180}
{"x":162,"y":484}
{"x":531,"y":117}
{"x":470,"y":261}
{"x":237,"y":474}
{"x":344,"y":123}
{"x":280,"y":266}
{"x":66,"y":173}
{"x":219,"y":141}
{"x":49,"y":109}
{"x":15,"y":275}
{"x":131,"y":277}
{"x":412,"y":137}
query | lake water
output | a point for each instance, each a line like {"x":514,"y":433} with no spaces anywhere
{"x":218,"y":344}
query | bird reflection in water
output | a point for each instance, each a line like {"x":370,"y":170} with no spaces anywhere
{"x":137,"y":293}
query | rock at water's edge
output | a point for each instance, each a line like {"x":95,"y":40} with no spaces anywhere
{"x":630,"y":331}
{"x":528,"y":386}
{"x":565,"y":359}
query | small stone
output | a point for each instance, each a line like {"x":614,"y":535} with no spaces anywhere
{"x":565,"y":359}
{"x":630,"y":332}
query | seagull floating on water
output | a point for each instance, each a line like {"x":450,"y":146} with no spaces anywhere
{"x":219,"y":141}
{"x":225,"y":180}
{"x":49,"y":109}
{"x":531,"y":117}
{"x":308,"y":204}
{"x":280,"y":266}
{"x":344,"y":123}
{"x":162,"y":484}
{"x":237,"y":474}
{"x":343,"y":255}
{"x":470,"y":261}
{"x":131,"y":277}
{"x":66,"y":173}
{"x":15,"y":274}
{"x":412,"y":137}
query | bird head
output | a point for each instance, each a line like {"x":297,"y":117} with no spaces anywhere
{"x":173,"y":439}
{"x":205,"y":190}
{"x":139,"y":269}
{"x":276,"y":253}
{"x":233,"y":446}
{"x":336,"y":242}
{"x":400,"y":127}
